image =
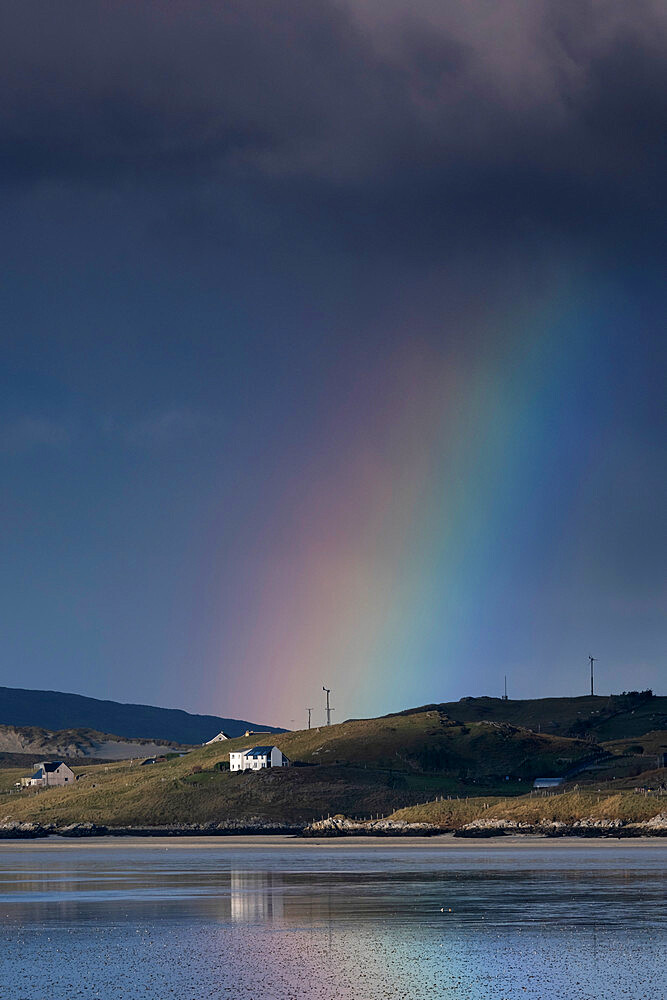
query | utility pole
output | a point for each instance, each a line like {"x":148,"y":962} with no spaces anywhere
{"x":327,"y":692}
{"x":593,"y":660}
{"x":309,"y":710}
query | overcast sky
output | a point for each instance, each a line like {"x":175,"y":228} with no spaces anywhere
{"x":332,"y":350}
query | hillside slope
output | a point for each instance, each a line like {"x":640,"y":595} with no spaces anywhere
{"x":610,"y":717}
{"x":428,"y":742}
{"x":361,"y":767}
{"x":55,"y":710}
{"x":567,"y":808}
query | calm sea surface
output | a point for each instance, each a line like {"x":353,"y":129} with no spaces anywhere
{"x":119,"y":920}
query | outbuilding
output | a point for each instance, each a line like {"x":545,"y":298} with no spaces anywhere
{"x":217,"y":739}
{"x":547,"y":782}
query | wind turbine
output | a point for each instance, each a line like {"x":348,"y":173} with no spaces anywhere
{"x":593,"y":660}
{"x":327,"y":691}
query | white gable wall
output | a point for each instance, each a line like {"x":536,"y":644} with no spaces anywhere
{"x":278,"y":759}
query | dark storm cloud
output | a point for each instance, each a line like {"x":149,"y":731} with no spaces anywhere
{"x":386,"y":116}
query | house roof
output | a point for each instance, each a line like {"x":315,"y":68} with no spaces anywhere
{"x":222,"y":735}
{"x":259,"y":752}
{"x":51,"y":765}
{"x":37,"y":774}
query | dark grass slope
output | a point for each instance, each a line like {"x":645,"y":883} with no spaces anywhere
{"x":602,"y":718}
{"x":56,"y":710}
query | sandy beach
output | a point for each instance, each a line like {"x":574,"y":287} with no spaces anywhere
{"x":446,"y":841}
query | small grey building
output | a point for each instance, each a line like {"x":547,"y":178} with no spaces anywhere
{"x":547,"y":782}
{"x":51,"y":772}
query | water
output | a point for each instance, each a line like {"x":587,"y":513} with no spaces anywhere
{"x":277,"y":919}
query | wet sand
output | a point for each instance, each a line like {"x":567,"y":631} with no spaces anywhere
{"x":280,"y":918}
{"x":445,"y":841}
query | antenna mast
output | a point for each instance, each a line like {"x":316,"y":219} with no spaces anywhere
{"x":593,"y":659}
{"x":327,"y":692}
{"x":309,"y":710}
{"x":505,"y":695}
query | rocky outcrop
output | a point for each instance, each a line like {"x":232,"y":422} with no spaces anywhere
{"x":80,"y":830}
{"x":227,"y":828}
{"x":341,"y":826}
{"x":588,"y":827}
{"x":22,"y":831}
{"x":656,"y":826}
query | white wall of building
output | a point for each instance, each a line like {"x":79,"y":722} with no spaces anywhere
{"x":278,"y":758}
{"x":238,"y":761}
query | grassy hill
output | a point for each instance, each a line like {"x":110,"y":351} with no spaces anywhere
{"x":55,"y":710}
{"x":430,"y":742}
{"x":566,"y":808}
{"x":359,"y":767}
{"x":602,"y":718}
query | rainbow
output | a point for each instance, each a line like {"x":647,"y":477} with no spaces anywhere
{"x":396,"y":555}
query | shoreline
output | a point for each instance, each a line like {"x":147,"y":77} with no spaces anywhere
{"x":294,"y":840}
{"x":443,"y":841}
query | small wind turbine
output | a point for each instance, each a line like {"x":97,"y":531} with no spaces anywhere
{"x":593,"y":660}
{"x":327,"y":691}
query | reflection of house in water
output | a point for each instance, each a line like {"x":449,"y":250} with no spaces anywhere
{"x":256,"y":896}
{"x":289,"y":897}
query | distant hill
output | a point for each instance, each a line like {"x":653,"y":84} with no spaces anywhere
{"x":21,"y":746}
{"x":55,"y":710}
{"x":602,"y":718}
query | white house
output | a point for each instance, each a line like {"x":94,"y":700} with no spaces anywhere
{"x":51,"y":772}
{"x":257,"y":758}
{"x":217,"y":739}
